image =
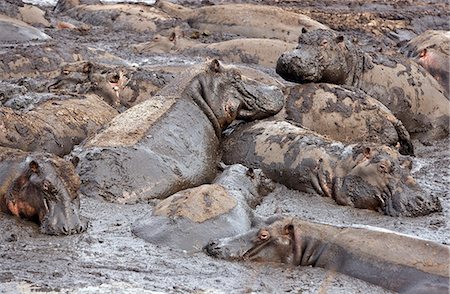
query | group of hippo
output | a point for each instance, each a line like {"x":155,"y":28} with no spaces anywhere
{"x":210,"y":139}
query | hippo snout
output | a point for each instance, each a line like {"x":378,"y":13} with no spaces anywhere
{"x":410,"y":203}
{"x":214,"y":249}
{"x":64,"y":229}
{"x":299,"y":66}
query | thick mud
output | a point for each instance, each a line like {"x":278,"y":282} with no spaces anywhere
{"x":108,"y":258}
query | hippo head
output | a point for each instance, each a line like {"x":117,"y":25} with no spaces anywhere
{"x":379,"y":178}
{"x":224,"y":95}
{"x":46,"y":191}
{"x":321,"y":56}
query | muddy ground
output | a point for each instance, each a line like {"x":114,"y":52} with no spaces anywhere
{"x":108,"y":258}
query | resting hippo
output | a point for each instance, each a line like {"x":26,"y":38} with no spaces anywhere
{"x":397,"y":262}
{"x":409,"y":91}
{"x":43,"y":188}
{"x":16,"y":31}
{"x":55,"y":123}
{"x":431,"y":50}
{"x":367,"y":175}
{"x":188,"y":219}
{"x":171,"y":142}
{"x":346,"y":116}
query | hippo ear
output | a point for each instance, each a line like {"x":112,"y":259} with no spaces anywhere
{"x":172,"y":36}
{"x":367,"y":152}
{"x":34,"y":166}
{"x":304,"y":30}
{"x":339,"y":39}
{"x":423,"y":53}
{"x":214,"y":66}
{"x":75,"y":160}
{"x":291,"y":231}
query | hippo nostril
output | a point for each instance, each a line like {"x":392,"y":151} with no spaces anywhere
{"x":65,"y":230}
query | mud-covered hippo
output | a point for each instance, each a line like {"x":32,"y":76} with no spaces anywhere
{"x":397,"y":262}
{"x":190,"y":218}
{"x":51,"y":122}
{"x":431,"y":49}
{"x":369,"y":176}
{"x":16,"y":31}
{"x":43,"y":188}
{"x":408,"y":90}
{"x":346,"y":116}
{"x":171,"y":142}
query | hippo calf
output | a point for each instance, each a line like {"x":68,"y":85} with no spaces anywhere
{"x":404,"y":87}
{"x":391,"y":260}
{"x":43,"y":188}
{"x":365,"y":175}
{"x":188,"y":219}
{"x":171,"y":142}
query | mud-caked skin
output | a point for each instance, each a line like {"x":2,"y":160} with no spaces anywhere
{"x":409,"y":91}
{"x":43,"y":188}
{"x":16,"y":31}
{"x":346,"y":116}
{"x":171,"y":142}
{"x":394,"y":261}
{"x":190,"y":218}
{"x":369,"y":176}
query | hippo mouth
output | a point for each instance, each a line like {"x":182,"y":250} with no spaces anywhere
{"x":254,"y":250}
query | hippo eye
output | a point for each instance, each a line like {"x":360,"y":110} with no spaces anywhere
{"x":384,"y":168}
{"x":324,"y":43}
{"x":264,"y":235}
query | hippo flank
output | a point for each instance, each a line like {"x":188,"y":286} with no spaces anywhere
{"x":365,"y":175}
{"x":171,"y":142}
{"x":43,"y":188}
{"x":397,"y":262}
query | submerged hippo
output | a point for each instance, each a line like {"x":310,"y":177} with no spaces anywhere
{"x":43,"y":188}
{"x":409,"y":91}
{"x":188,"y":219}
{"x":391,"y":260}
{"x":346,"y":116}
{"x":367,"y":175}
{"x":171,"y":142}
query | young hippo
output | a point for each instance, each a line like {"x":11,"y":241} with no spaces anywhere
{"x":43,"y":188}
{"x":369,"y":176}
{"x":397,"y":262}
{"x":404,"y":87}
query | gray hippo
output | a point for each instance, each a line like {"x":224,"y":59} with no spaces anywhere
{"x":51,"y":122}
{"x":346,"y":116}
{"x":43,"y":188}
{"x":171,"y":142}
{"x":397,"y":262}
{"x":16,"y":31}
{"x":409,"y":91}
{"x":431,"y":49}
{"x":188,"y":219}
{"x":368,"y":175}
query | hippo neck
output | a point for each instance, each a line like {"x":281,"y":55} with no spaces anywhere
{"x":357,"y":61}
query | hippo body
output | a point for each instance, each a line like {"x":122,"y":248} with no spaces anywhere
{"x":41,"y":187}
{"x":171,"y":142}
{"x":366,"y":176}
{"x":55,"y":124}
{"x":16,"y":31}
{"x":188,"y":219}
{"x":397,"y":262}
{"x":404,"y":87}
{"x":346,"y":116}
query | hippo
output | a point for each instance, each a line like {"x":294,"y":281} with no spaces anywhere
{"x":171,"y":142}
{"x":345,"y":115}
{"x":50,"y":122}
{"x":41,"y":187}
{"x":188,"y":219}
{"x":27,"y":13}
{"x":431,"y":49}
{"x":16,"y":31}
{"x":397,"y":262}
{"x":363,"y":175}
{"x":404,"y":87}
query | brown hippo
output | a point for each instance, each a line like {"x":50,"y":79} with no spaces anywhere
{"x":431,"y":49}
{"x":397,"y":262}
{"x":43,"y":188}
{"x":16,"y":31}
{"x":409,"y":91}
{"x":171,"y":142}
{"x":346,"y":116}
{"x":55,"y":123}
{"x":369,"y":176}
{"x":188,"y":219}
{"x":25,"y":12}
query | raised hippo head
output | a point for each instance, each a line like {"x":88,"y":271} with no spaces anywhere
{"x":224,"y":95}
{"x":379,"y":178}
{"x":44,"y":189}
{"x":321,"y":56}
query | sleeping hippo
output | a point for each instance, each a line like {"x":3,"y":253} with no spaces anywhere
{"x":368,"y":175}
{"x":171,"y":142}
{"x":43,"y":188}
{"x":188,"y":219}
{"x":346,"y":116}
{"x":409,"y":91}
{"x":397,"y":262}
